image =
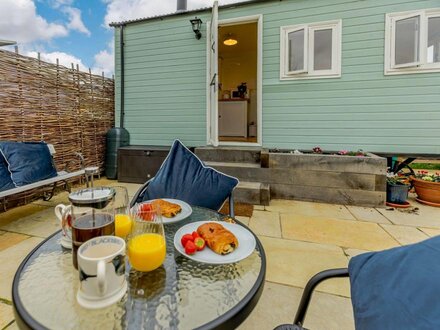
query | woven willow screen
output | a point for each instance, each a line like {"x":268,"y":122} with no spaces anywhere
{"x":68,"y":108}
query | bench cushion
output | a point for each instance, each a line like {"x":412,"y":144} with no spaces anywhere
{"x":28,"y":162}
{"x":397,"y":288}
{"x":5,"y":176}
{"x":184,"y":176}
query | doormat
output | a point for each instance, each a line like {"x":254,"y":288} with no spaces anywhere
{"x":241,"y":209}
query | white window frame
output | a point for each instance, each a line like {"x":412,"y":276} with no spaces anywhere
{"x":390,"y":68}
{"x":308,"y":72}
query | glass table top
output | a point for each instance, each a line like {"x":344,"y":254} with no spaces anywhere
{"x":181,"y":294}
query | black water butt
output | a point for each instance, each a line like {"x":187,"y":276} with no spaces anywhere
{"x":116,"y":137}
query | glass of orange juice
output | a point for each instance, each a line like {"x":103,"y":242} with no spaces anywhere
{"x":146,"y":245}
{"x":122,"y":217}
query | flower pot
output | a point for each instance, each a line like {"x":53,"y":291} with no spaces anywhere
{"x":397,"y":193}
{"x":427,"y":191}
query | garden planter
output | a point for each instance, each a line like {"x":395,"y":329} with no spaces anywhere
{"x":427,"y":191}
{"x":397,"y":193}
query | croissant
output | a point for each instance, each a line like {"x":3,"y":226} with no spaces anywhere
{"x":218,"y":238}
{"x":167,"y":209}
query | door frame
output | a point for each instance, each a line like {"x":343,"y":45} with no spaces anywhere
{"x":237,"y":21}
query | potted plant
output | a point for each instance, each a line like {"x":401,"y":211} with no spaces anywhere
{"x":427,"y":187}
{"x":397,"y":190}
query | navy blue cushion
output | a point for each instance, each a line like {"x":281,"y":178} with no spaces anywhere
{"x":5,"y":176}
{"x":28,"y":162}
{"x":184,"y":176}
{"x":397,"y":288}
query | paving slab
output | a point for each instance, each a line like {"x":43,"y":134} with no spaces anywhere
{"x":10,"y":259}
{"x":12,"y":326}
{"x":404,"y":234}
{"x":242,"y":219}
{"x":424,"y":216}
{"x":294,"y":263}
{"x":368,"y":214}
{"x":344,"y":233}
{"x":259,"y":207}
{"x":265,"y":223}
{"x":278,"y":305}
{"x":6,"y":315}
{"x":353,"y":252}
{"x":41,"y":224}
{"x":20,"y":212}
{"x":10,"y":239}
{"x":430,"y":231}
{"x":310,"y":208}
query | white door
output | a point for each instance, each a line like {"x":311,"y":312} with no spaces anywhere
{"x":213,"y":76}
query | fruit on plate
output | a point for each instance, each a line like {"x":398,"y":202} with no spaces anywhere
{"x":185,"y":238}
{"x":190,"y":247}
{"x":144,"y":212}
{"x":195,"y":235}
{"x":199,"y":243}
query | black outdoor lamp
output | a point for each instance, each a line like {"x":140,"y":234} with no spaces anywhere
{"x":196,"y":24}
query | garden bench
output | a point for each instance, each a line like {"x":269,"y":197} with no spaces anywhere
{"x":61,"y":176}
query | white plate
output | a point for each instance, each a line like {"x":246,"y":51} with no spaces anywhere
{"x":246,"y":244}
{"x":185,"y":213}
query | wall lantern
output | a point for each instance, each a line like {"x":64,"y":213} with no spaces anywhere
{"x":230,"y":40}
{"x":196,"y":24}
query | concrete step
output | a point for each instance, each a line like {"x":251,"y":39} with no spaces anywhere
{"x":252,"y":193}
{"x":250,"y":172}
{"x":229,"y":154}
{"x":232,"y":164}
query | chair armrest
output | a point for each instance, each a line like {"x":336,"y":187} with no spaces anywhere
{"x":140,"y":193}
{"x":311,"y":285}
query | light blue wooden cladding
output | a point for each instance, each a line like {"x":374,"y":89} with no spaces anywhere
{"x":165,"y":83}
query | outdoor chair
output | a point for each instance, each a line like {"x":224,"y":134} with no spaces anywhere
{"x":184,"y":176}
{"x":392,"y":289}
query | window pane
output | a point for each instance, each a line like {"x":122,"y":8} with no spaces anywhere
{"x":407,"y":40}
{"x":323,"y":50}
{"x":433,"y":40}
{"x":296,"y":50}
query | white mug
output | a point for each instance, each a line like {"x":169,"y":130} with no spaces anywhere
{"x":101,"y":266}
{"x":63,"y":214}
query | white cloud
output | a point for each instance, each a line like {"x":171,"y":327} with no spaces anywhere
{"x":19,"y":21}
{"x":64,"y":59}
{"x":75,"y":21}
{"x":121,"y":10}
{"x":105,"y":61}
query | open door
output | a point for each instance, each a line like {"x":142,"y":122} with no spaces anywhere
{"x":213,"y":77}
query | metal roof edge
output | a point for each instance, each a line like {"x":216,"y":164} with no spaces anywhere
{"x":179,"y":13}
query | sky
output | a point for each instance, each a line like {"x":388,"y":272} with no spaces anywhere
{"x":77,"y":31}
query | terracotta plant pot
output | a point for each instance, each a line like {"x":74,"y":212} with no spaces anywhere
{"x":427,"y":191}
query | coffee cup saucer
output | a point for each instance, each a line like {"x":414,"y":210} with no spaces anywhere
{"x":102,"y":303}
{"x":66,"y":243}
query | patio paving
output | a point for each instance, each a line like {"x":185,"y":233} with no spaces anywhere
{"x":300,"y":239}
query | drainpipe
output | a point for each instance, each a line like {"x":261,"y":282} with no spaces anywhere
{"x":181,"y":5}
{"x":121,"y":40}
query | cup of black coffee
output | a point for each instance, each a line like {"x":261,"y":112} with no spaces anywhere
{"x":92,"y":214}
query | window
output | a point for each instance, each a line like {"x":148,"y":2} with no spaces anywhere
{"x":311,"y":51}
{"x":412,"y":42}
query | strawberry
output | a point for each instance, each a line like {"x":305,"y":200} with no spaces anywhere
{"x":185,"y":238}
{"x":195,"y":235}
{"x":199,"y":243}
{"x":190,"y":247}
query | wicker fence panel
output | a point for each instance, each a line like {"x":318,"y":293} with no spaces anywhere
{"x":70,"y":109}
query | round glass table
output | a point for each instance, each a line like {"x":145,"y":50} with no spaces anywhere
{"x":181,"y":294}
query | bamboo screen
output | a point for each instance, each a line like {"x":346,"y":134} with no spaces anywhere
{"x":70,"y":109}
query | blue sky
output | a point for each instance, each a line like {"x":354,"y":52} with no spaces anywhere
{"x":76,"y":31}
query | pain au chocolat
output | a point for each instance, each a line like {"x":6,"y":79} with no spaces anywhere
{"x":218,"y":238}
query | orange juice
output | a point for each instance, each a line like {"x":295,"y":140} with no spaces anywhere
{"x":146,"y":252}
{"x":122,"y":225}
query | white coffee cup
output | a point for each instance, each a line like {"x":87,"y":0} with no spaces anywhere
{"x":63,"y":213}
{"x":101,"y":266}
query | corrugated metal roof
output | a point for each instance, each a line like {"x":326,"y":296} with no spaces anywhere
{"x":116,"y":24}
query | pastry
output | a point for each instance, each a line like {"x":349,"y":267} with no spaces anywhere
{"x":167,"y":209}
{"x":218,"y":238}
